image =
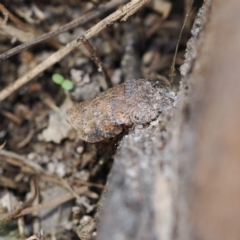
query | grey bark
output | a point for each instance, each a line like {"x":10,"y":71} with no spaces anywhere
{"x":180,"y":178}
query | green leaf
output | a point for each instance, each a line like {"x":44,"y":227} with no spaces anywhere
{"x":67,"y":85}
{"x":57,"y":78}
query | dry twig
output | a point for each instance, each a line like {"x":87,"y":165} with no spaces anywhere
{"x":20,"y":161}
{"x":76,"y":22}
{"x":5,"y":218}
{"x":122,"y":13}
{"x":55,"y":202}
{"x":76,"y":195}
{"x":97,"y":60}
{"x":2,"y":146}
{"x":30,"y":167}
{"x":14,"y":19}
{"x":172,"y":71}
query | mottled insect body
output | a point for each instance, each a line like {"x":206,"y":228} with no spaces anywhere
{"x":131,"y":103}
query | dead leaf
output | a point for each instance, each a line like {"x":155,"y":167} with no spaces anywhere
{"x":58,"y":127}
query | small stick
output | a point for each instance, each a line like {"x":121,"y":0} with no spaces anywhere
{"x":121,"y":13}
{"x":15,"y":19}
{"x":55,"y":202}
{"x":172,"y":71}
{"x":2,"y":145}
{"x":97,"y":60}
{"x":5,"y":19}
{"x":27,"y":139}
{"x":32,"y":168}
{"x":67,"y":186}
{"x":5,"y":218}
{"x":79,"y":21}
{"x":11,"y":116}
{"x":18,"y":160}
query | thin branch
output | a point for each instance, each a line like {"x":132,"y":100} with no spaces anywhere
{"x":121,"y":13}
{"x":55,"y":202}
{"x":30,"y":167}
{"x":79,"y":21}
{"x":14,"y":19}
{"x":76,"y":195}
{"x":2,"y":145}
{"x":172,"y":71}
{"x":5,"y":218}
{"x":97,"y":60}
{"x":26,"y":209}
{"x":18,"y":160}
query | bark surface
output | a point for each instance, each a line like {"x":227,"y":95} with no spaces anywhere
{"x":179,"y":178}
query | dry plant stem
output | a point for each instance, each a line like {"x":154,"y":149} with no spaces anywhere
{"x":7,"y":182}
{"x":97,"y":60}
{"x":172,"y":71}
{"x":54,"y":202}
{"x":11,"y":117}
{"x":14,"y":19}
{"x":27,"y":139}
{"x":9,"y":216}
{"x":21,"y":161}
{"x":2,"y":146}
{"x":121,"y":13}
{"x":67,"y":186}
{"x":5,"y":19}
{"x":79,"y":21}
{"x":33,"y":168}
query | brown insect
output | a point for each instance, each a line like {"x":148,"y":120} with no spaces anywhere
{"x":131,"y":103}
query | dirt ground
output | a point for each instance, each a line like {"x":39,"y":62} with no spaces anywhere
{"x":45,"y":167}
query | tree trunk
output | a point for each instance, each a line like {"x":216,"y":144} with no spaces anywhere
{"x":180,"y":178}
